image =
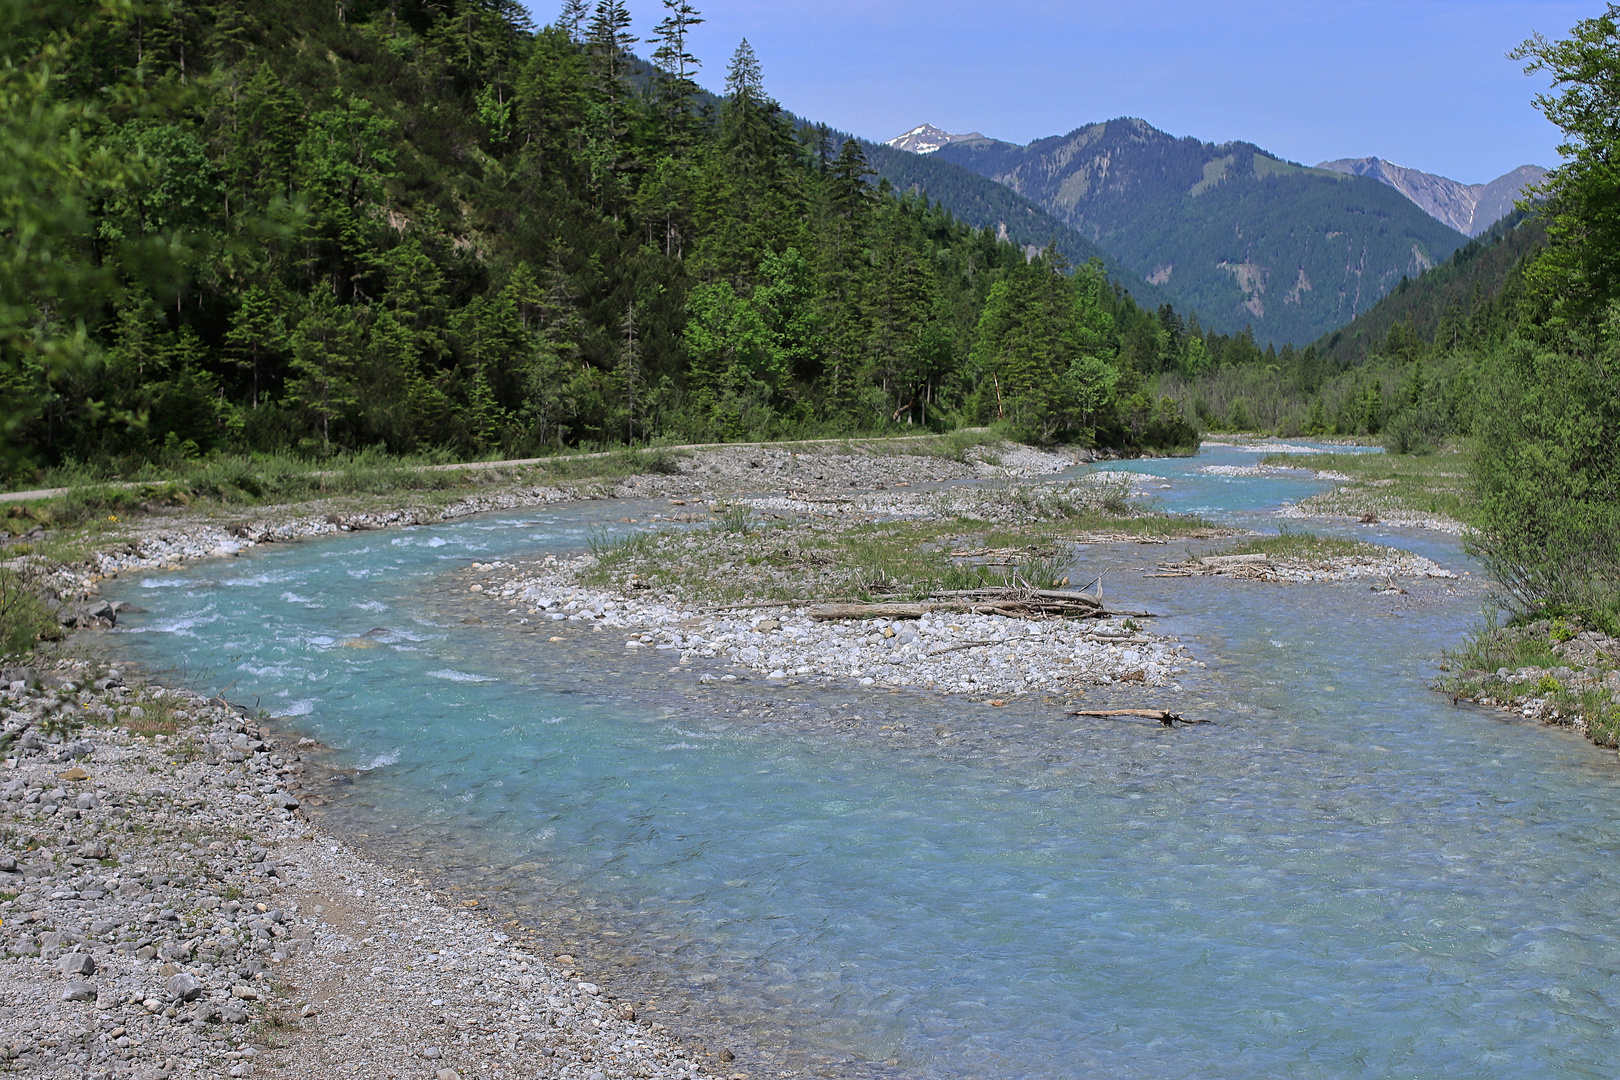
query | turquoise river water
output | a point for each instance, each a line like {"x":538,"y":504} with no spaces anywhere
{"x":1345,"y":876}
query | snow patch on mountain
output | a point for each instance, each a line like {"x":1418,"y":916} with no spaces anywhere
{"x":926,"y":138}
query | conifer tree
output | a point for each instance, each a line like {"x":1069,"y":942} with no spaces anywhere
{"x":607,"y":43}
{"x":675,"y":88}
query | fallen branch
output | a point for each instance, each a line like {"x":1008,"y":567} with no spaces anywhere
{"x":971,"y":645}
{"x":1163,"y":716}
{"x":1011,"y":609}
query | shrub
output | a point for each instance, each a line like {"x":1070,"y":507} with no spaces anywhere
{"x":1547,"y":476}
{"x":24,"y":619}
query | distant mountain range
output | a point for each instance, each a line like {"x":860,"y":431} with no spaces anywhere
{"x":1468,"y":208}
{"x":1236,"y":235}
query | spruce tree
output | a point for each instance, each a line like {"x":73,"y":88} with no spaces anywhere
{"x":675,"y":88}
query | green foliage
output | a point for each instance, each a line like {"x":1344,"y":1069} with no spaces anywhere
{"x":737,"y":519}
{"x":1547,"y":474}
{"x":1578,"y":275}
{"x":24,"y":620}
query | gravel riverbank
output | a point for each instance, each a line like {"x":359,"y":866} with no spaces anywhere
{"x":1382,"y":564}
{"x":166,"y":911}
{"x":957,"y":653}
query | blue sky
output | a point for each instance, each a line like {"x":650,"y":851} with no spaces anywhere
{"x":1421,"y":82}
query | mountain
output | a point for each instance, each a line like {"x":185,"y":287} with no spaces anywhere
{"x":1468,"y":208}
{"x":984,"y":204}
{"x":1227,"y":231}
{"x":927,"y":138}
{"x":1472,"y":292}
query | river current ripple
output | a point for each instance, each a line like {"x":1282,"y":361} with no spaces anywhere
{"x":1344,"y":876}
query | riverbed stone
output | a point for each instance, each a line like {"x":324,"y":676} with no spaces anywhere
{"x":79,"y":991}
{"x":77,"y":964}
{"x":184,"y":987}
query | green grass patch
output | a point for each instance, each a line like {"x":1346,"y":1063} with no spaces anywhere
{"x":1472,"y":673}
{"x":810,"y":561}
{"x":1435,"y":483}
{"x":1495,"y":646}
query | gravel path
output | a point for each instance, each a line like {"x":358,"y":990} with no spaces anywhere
{"x":168,"y":912}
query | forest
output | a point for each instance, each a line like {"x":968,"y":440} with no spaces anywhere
{"x":417,"y":226}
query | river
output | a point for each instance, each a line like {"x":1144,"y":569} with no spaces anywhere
{"x":1345,"y":875}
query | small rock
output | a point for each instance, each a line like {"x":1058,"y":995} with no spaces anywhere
{"x":433,"y":1053}
{"x":446,"y":1074}
{"x":233,"y":1014}
{"x":77,"y":964}
{"x":244,"y":992}
{"x":727,"y":1055}
{"x":79,"y":991}
{"x":183,"y":987}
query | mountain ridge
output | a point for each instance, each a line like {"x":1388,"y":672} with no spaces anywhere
{"x":1471,"y":209}
{"x":1228,"y":231}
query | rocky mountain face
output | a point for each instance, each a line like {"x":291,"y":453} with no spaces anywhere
{"x":1227,"y":231}
{"x":926,"y":138}
{"x":1468,"y":208}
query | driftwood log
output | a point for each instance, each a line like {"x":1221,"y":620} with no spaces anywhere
{"x":1168,"y":719}
{"x":1013,"y":603}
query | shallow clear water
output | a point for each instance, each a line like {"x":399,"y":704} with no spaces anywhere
{"x":1344,"y":877}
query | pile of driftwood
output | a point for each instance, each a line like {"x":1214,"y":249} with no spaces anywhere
{"x":1010,"y":602}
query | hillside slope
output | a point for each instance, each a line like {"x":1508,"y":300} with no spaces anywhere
{"x":1228,"y":231}
{"x":985,"y":204}
{"x":1471,"y":287}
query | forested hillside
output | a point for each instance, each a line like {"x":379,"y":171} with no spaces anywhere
{"x":984,"y":203}
{"x":1227,"y":232}
{"x":431,"y":225}
{"x":1477,"y":288}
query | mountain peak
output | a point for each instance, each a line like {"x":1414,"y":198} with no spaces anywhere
{"x":926,"y":138}
{"x":1468,"y":208}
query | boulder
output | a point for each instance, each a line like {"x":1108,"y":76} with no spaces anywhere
{"x":184,"y":987}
